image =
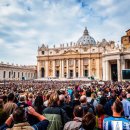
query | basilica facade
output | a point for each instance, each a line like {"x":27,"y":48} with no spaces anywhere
{"x":86,"y":58}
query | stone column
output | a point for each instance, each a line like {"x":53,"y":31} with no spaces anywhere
{"x":67,"y":69}
{"x":123,"y":63}
{"x":38,"y":70}
{"x":46,"y":68}
{"x":104,"y":70}
{"x":82,"y":67}
{"x":119,"y":69}
{"x":62,"y":68}
{"x":79,"y":68}
{"x":107,"y":70}
{"x":98,"y":68}
{"x":89,"y":66}
{"x":54,"y":75}
{"x":74,"y":70}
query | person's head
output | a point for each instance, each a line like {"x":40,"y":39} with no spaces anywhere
{"x":123,"y":95}
{"x":61,"y":97}
{"x":103,"y":100}
{"x":77,"y":95}
{"x":38,"y":104}
{"x":99,"y":94}
{"x":113,"y":95}
{"x":89,"y":121}
{"x":47,"y":96}
{"x":22,"y":98}
{"x":100,"y":110}
{"x":53,"y":100}
{"x":38,"y":101}
{"x":78,"y":111}
{"x":83,"y":99}
{"x":93,"y":95}
{"x":30,"y":96}
{"x":88,"y":93}
{"x":19,"y":115}
{"x":117,"y":107}
{"x":11,"y":97}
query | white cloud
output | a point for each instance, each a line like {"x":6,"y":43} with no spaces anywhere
{"x":26,"y":24}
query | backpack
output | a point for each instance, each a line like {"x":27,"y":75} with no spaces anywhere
{"x":55,"y":121}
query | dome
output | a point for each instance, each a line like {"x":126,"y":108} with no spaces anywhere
{"x":86,"y":38}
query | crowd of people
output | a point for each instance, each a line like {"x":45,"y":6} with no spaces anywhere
{"x":64,"y":105}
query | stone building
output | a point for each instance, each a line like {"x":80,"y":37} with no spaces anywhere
{"x":117,"y":59}
{"x":15,"y":72}
{"x":125,"y":40}
{"x":103,"y":60}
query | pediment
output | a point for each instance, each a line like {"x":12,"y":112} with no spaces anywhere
{"x":70,"y":52}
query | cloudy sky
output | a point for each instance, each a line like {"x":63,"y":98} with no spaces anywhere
{"x":26,"y":24}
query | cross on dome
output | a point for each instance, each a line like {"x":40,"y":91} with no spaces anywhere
{"x":85,"y":31}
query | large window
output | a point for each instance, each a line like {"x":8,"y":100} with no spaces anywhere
{"x":4,"y":74}
{"x":18,"y":74}
{"x":86,"y":73}
{"x":76,"y":74}
{"x":65,"y":74}
{"x":42,"y":72}
{"x":14,"y":74}
{"x":43,"y":52}
{"x":9,"y":74}
{"x":57,"y":73}
{"x":71,"y":73}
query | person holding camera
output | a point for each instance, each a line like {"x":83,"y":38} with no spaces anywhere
{"x":19,"y":117}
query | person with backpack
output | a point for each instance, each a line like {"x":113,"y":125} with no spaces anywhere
{"x":57,"y":116}
{"x":75,"y":124}
{"x":19,"y":117}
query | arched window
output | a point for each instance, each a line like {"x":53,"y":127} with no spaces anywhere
{"x":42,"y":72}
{"x":4,"y":74}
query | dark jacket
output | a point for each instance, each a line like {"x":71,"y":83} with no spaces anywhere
{"x":57,"y":110}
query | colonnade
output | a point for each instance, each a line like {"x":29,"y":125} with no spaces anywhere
{"x":76,"y":67}
{"x":107,"y":68}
